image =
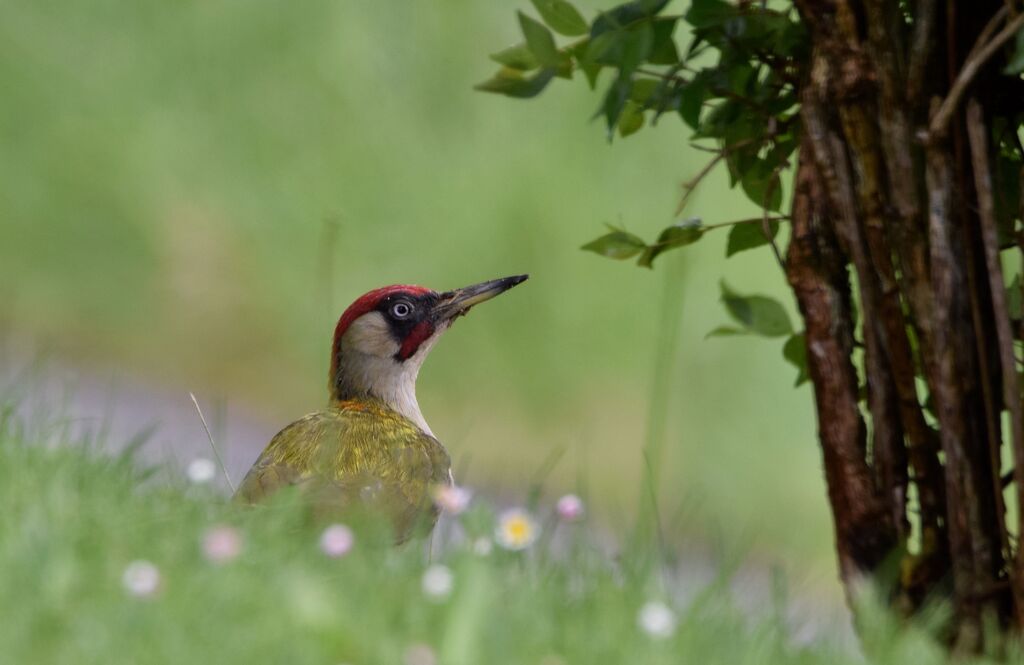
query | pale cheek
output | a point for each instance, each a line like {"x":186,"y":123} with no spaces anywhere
{"x":369,"y":335}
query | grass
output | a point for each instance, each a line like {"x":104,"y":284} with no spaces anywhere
{"x":74,"y":521}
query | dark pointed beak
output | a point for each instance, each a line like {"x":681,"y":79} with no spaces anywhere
{"x":456,"y":303}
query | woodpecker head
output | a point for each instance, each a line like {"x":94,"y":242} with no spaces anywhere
{"x":381,"y":340}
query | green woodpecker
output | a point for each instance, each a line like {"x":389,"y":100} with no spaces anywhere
{"x":371,"y":446}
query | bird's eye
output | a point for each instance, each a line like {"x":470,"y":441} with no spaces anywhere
{"x":401,"y":310}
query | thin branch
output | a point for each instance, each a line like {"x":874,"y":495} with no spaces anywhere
{"x":665,"y":76}
{"x":920,"y":48}
{"x":704,"y":148}
{"x":748,"y":220}
{"x":978,"y":136}
{"x":982,"y":339}
{"x":724,"y":225}
{"x":216,"y":453}
{"x":773,"y":182}
{"x":987,"y":32}
{"x":977,"y":59}
{"x":692,"y":183}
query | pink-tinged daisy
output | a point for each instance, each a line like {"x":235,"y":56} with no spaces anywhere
{"x":438,"y":582}
{"x":221,"y":543}
{"x":452,"y":498}
{"x":337,"y":541}
{"x":516,"y":529}
{"x":570,"y":508}
{"x":420,"y":654}
{"x":141,"y":578}
{"x":657,"y":620}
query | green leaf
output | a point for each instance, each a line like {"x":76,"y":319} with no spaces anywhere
{"x":725,"y":331}
{"x":691,"y":100}
{"x":562,"y":17}
{"x":680,"y":234}
{"x":709,"y":13}
{"x":590,"y":68}
{"x":652,"y":7}
{"x":1006,"y":188}
{"x":517,"y":57}
{"x":643,"y":89}
{"x":512,"y":83}
{"x":1013,"y":298}
{"x":1016,"y":63}
{"x":722,"y":118}
{"x":782,"y":147}
{"x":758,"y":314}
{"x":614,"y":102}
{"x":599,"y":46}
{"x":622,"y":48}
{"x":626,"y":15}
{"x":761,"y":183}
{"x":616,"y":245}
{"x":540,"y":41}
{"x":663,"y":50}
{"x":631,"y":120}
{"x":636,"y":47}
{"x":795,"y":351}
{"x":658,"y":95}
{"x":748,"y":236}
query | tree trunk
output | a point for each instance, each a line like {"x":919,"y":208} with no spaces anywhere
{"x":894,"y":207}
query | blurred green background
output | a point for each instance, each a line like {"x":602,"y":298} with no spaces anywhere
{"x":192,"y":192}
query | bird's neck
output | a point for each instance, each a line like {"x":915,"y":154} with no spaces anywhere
{"x":361,"y":376}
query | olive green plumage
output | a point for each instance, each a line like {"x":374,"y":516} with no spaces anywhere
{"x":356,"y":451}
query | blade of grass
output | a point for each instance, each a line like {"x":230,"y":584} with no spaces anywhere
{"x":661,"y":395}
{"x":209,"y":436}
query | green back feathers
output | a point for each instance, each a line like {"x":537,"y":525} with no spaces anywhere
{"x":356,"y":452}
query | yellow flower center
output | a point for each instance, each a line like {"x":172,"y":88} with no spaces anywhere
{"x":518,"y":530}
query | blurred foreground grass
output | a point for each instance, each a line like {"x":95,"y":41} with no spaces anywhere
{"x":191,"y":192}
{"x":101,"y":562}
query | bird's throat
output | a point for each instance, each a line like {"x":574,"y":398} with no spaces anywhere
{"x":361,"y":376}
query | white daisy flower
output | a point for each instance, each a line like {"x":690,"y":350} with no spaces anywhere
{"x":482,"y":546}
{"x":141,"y":578}
{"x":657,"y":620}
{"x":516,"y":529}
{"x":201,"y":471}
{"x":438,"y":582}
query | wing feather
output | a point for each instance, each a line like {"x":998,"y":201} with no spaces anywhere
{"x":370,"y":455}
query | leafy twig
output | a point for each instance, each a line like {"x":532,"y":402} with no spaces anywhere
{"x":692,"y":183}
{"x":749,"y":220}
{"x":723,"y":225}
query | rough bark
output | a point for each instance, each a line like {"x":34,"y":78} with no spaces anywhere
{"x":817,"y":272}
{"x":894,"y":191}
